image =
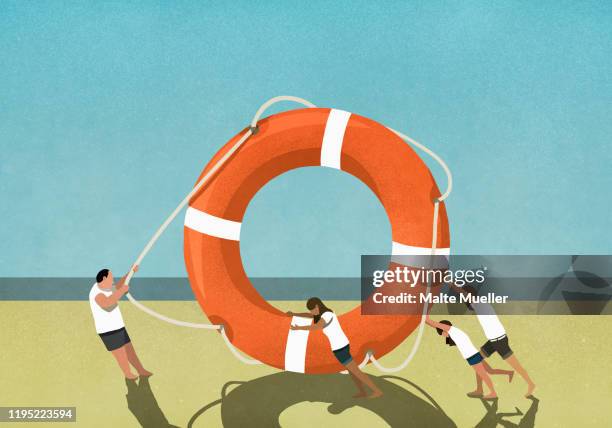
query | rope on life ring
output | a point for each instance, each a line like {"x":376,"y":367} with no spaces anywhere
{"x":252,"y":130}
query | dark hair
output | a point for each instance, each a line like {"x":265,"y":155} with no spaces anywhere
{"x":471,"y":290}
{"x":315,"y":301}
{"x":449,"y":341}
{"x":101,"y":275}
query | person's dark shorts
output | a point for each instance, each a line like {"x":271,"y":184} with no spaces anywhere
{"x":115,"y":339}
{"x":501,"y":346}
{"x":344,"y":355}
{"x":475,"y":359}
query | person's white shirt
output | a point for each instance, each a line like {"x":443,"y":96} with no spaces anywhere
{"x":333,"y":331}
{"x":463,"y":342}
{"x":105,"y":319}
{"x":490,"y":323}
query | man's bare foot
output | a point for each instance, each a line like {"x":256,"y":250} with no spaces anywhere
{"x":360,"y":394}
{"x":490,"y":396}
{"x":131,"y":376}
{"x":145,"y":373}
{"x":475,"y":394}
{"x":375,"y":394}
{"x":530,"y":390}
{"x":510,"y":377}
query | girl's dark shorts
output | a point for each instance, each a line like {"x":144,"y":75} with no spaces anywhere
{"x":501,"y":346}
{"x":474,"y":359}
{"x":115,"y":339}
{"x":343,"y":355}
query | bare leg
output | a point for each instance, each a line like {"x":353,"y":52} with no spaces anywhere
{"x":514,"y":362}
{"x":477,"y":393}
{"x":482,"y":372}
{"x":353,"y":369}
{"x":492,"y":371}
{"x":134,"y":361}
{"x":359,"y":384}
{"x":122,"y":359}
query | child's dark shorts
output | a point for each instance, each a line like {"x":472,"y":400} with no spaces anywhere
{"x":474,"y":359}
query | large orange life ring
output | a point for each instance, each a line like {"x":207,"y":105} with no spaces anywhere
{"x":294,"y":139}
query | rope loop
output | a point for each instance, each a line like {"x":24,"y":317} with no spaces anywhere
{"x":253,"y":130}
{"x":265,"y":106}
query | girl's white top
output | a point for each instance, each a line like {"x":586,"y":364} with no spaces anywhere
{"x":463,"y":342}
{"x":333,"y":331}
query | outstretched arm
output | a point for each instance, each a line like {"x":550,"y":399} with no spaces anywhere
{"x":436,"y":324}
{"x":300,"y":314}
{"x":319,"y":325}
{"x":120,"y":290}
{"x":121,"y":282}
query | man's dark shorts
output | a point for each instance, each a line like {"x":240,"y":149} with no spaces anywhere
{"x":501,"y":346}
{"x":115,"y":339}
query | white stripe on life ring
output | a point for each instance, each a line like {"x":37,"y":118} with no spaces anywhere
{"x":331,"y":148}
{"x":398,"y":249}
{"x":295,"y":351}
{"x":408,"y":255}
{"x":210,"y":225}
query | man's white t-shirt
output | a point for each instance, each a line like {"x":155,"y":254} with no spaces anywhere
{"x":105,"y":319}
{"x":463,"y":342}
{"x":491,"y":325}
{"x":333,"y":331}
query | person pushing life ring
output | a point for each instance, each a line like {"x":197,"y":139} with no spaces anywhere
{"x":282,"y":142}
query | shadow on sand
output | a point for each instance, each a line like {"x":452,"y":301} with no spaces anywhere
{"x":260,"y":402}
{"x":493,"y":418}
{"x":143,"y":404}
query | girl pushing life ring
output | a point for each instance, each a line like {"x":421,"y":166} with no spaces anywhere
{"x":282,"y":142}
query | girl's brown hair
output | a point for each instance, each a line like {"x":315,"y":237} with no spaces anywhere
{"x":315,"y":301}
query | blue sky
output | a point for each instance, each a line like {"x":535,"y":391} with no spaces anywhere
{"x":108,"y":112}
